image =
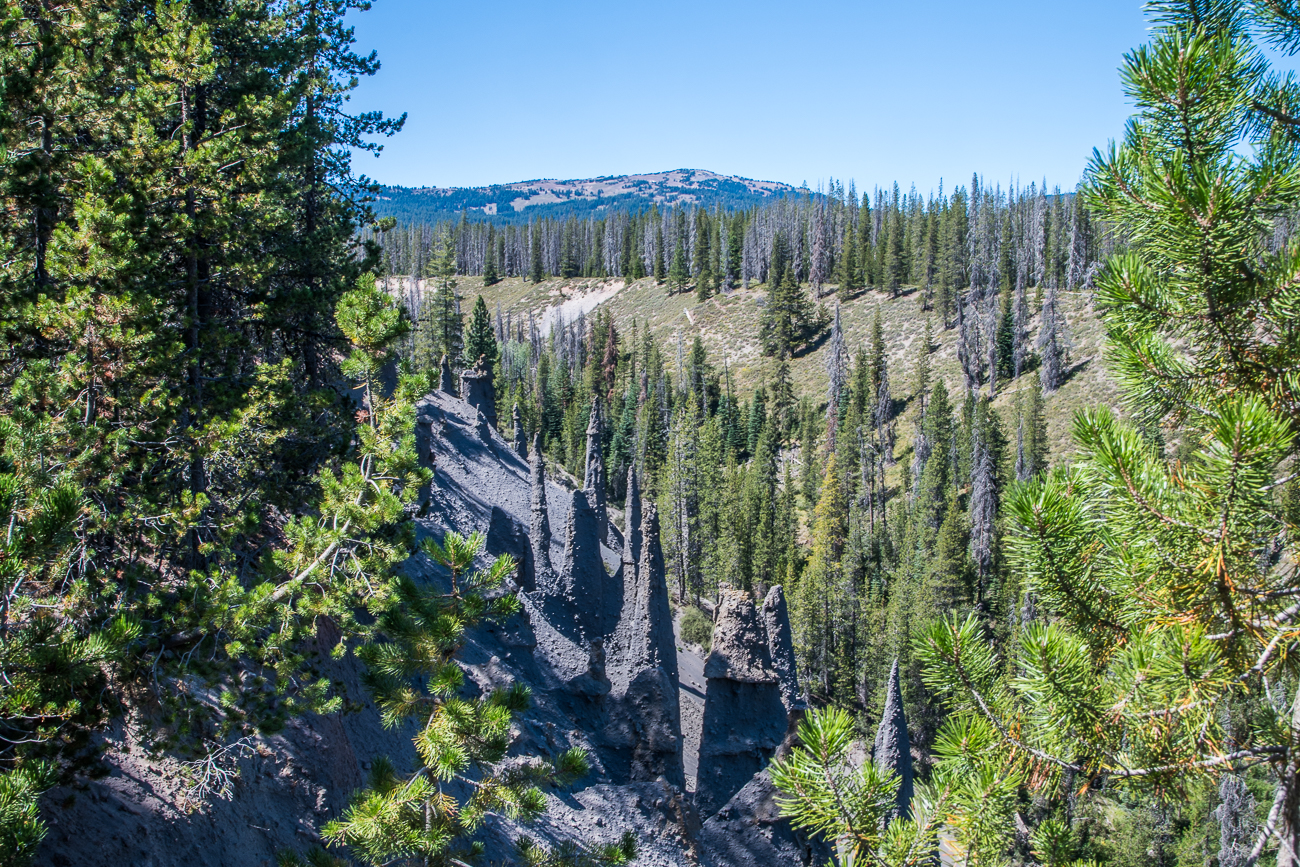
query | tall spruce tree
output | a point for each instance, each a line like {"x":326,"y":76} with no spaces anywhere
{"x":480,"y":339}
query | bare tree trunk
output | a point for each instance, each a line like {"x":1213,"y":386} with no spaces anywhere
{"x":1288,"y":803}
{"x":1284,"y":818}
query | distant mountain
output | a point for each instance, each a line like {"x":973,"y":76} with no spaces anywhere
{"x":530,"y":200}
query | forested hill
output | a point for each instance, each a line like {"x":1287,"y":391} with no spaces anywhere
{"x":529,"y":200}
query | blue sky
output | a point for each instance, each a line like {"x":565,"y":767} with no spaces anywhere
{"x":874,"y":91}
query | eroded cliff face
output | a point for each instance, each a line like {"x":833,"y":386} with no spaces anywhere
{"x":595,"y":644}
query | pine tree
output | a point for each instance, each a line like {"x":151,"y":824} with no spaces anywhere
{"x":1162,"y":614}
{"x":414,"y":676}
{"x":789,"y":320}
{"x":179,"y":258}
{"x":837,"y":374}
{"x":681,"y":532}
{"x":678,"y":274}
{"x":490,"y":277}
{"x":480,"y":341}
{"x":811,"y":617}
{"x":704,"y":272}
{"x":660,"y":272}
{"x":535,"y":267}
{"x":445,"y":318}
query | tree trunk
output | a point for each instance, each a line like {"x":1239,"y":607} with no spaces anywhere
{"x":1288,"y":805}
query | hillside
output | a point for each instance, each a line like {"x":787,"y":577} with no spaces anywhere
{"x":728,"y":326}
{"x":529,"y":200}
{"x":602,"y":676}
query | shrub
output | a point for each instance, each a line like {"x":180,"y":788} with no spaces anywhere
{"x":697,"y":628}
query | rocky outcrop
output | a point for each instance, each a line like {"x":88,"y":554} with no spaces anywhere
{"x":594,"y":478}
{"x":575,"y":600}
{"x":654,"y":614}
{"x":893,"y":749}
{"x":630,"y":723}
{"x":645,"y":725}
{"x":744,"y":717}
{"x":520,"y":443}
{"x":539,"y":530}
{"x":749,"y":831}
{"x":505,"y":535}
{"x":632,"y":524}
{"x":445,"y":382}
{"x":477,"y":390}
{"x":780,"y":644}
{"x":626,"y":637}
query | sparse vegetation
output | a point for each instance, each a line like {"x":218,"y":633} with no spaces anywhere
{"x":697,"y":628}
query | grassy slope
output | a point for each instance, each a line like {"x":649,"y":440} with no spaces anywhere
{"x":728,"y":326}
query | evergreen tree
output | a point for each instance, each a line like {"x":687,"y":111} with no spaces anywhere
{"x":660,"y":272}
{"x":683,"y":552}
{"x":445,"y":318}
{"x":179,"y":260}
{"x":678,"y":275}
{"x":1164,"y":627}
{"x":490,"y":277}
{"x":414,"y":676}
{"x":789,"y":320}
{"x":704,"y":271}
{"x":814,"y":626}
{"x":481,"y":341}
{"x":535,"y":267}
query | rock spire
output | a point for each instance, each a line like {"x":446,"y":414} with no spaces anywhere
{"x":581,"y":583}
{"x":893,"y":750}
{"x":632,"y":525}
{"x":744,"y":718}
{"x":594,"y":479}
{"x":539,"y":531}
{"x":780,"y":643}
{"x":520,"y":442}
{"x":477,"y":390}
{"x":445,"y":382}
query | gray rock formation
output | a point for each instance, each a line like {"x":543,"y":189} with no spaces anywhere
{"x":650,"y":714}
{"x":445,"y":382}
{"x":780,"y":644}
{"x":594,"y":681}
{"x":749,"y":831}
{"x":539,"y":531}
{"x":505,"y":535}
{"x":652,"y":607}
{"x":594,"y":478}
{"x":477,"y":390}
{"x":645,"y":725}
{"x":520,"y":443}
{"x":893,"y":750}
{"x":144,"y":811}
{"x":575,"y":602}
{"x":626,"y":637}
{"x":481,"y":426}
{"x":744,"y":718}
{"x":632,"y":524}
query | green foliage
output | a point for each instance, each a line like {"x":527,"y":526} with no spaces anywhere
{"x":1166,"y":586}
{"x":481,"y":340}
{"x":697,"y":628}
{"x":185,"y":491}
{"x":411,"y":670}
{"x":21,"y":829}
{"x":789,"y":320}
{"x":850,"y":807}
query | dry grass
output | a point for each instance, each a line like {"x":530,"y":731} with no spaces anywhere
{"x":728,"y":325}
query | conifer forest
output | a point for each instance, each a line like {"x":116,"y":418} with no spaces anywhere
{"x":679,"y":520}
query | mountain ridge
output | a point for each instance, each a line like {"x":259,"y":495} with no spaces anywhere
{"x":523,"y":201}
